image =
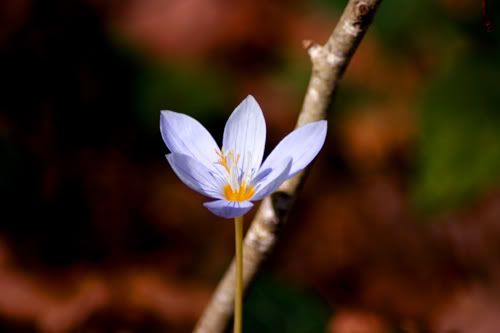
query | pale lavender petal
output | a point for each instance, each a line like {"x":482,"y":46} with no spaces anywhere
{"x":245,"y":134}
{"x":228,"y":209}
{"x":195,"y":175}
{"x":185,"y":135}
{"x":302,"y":145}
{"x":269,"y":183}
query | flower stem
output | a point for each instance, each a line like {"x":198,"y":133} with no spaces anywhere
{"x":238,"y":294}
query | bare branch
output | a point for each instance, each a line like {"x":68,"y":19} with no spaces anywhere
{"x":329,"y":62}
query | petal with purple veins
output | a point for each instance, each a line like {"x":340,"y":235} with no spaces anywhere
{"x":273,"y":180}
{"x":195,"y":175}
{"x":245,"y":134}
{"x":302,"y":145}
{"x":185,"y":135}
{"x":228,"y":209}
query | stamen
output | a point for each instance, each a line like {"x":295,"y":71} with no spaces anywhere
{"x":222,"y":159}
{"x":238,"y":182}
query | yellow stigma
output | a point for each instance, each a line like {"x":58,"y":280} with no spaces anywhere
{"x":242,"y":194}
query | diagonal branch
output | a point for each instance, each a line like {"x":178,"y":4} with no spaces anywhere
{"x":329,"y":62}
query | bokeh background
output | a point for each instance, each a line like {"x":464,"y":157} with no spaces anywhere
{"x":398,"y":227}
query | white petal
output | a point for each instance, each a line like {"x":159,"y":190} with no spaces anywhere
{"x":302,"y":145}
{"x":245,"y":134}
{"x":272,"y":179}
{"x":228,"y":209}
{"x":196,"y":175}
{"x":185,"y":135}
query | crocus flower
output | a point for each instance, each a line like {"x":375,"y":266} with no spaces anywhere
{"x":234,"y":175}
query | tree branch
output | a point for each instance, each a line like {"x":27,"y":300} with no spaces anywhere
{"x":329,"y":62}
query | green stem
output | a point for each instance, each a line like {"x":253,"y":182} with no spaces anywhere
{"x":238,"y":294}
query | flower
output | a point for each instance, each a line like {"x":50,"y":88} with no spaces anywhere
{"x":234,"y":175}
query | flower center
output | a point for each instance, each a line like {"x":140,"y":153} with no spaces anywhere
{"x":243,"y":193}
{"x":238,"y":182}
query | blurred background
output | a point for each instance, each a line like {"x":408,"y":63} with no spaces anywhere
{"x":398,"y":227}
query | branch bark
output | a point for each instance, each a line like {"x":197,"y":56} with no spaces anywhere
{"x":329,"y":62}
